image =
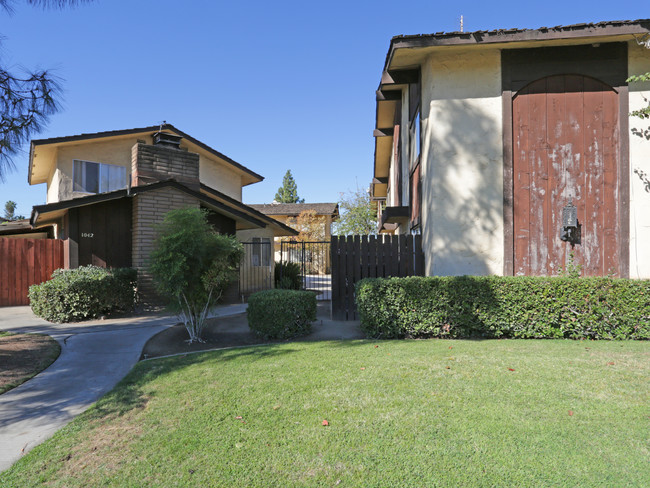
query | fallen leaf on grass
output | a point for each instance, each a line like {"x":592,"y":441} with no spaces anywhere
{"x":448,"y":367}
{"x":570,"y":413}
{"x":611,"y":363}
{"x":510,"y":369}
{"x":238,"y":417}
{"x":276,"y":407}
{"x":325,"y":422}
{"x":451,"y":347}
{"x":363,"y":368}
{"x":376,"y":347}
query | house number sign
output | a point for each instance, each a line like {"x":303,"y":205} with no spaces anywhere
{"x":87,"y":234}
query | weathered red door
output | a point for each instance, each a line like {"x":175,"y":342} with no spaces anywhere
{"x":565,"y":147}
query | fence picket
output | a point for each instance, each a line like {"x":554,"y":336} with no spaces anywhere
{"x":26,"y":262}
{"x":358,"y":257}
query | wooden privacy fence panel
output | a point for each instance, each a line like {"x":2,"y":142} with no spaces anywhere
{"x":26,"y":262}
{"x":358,"y":257}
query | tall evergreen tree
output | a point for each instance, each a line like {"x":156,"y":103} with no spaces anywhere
{"x":288,"y":192}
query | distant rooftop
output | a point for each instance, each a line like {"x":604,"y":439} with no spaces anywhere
{"x":295,"y":209}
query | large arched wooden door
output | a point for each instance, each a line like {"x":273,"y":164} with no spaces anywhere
{"x":565,"y":147}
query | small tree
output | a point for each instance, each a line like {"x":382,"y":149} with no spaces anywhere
{"x":191,"y":265}
{"x":288,"y":192}
{"x":310,"y":226}
{"x":358,"y":214}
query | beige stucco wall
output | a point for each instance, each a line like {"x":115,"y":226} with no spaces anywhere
{"x":639,"y":62}
{"x":116,"y":152}
{"x":462,"y":163}
{"x":53,"y":185}
{"x":219,"y":177}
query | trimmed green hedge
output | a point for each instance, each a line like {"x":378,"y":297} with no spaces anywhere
{"x":281,"y":314}
{"x":494,"y":306}
{"x":84,"y":293}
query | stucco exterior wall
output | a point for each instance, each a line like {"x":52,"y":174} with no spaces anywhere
{"x":462,"y":163}
{"x":639,"y":62}
{"x":53,"y":185}
{"x":117,"y":152}
{"x":217,"y":176}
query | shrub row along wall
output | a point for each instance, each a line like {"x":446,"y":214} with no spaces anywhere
{"x":493,"y":306}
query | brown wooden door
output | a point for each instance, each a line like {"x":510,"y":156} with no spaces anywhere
{"x":565,"y":146}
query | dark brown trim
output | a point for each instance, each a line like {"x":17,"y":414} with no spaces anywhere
{"x":380,"y":181}
{"x":388,"y":95}
{"x":383,"y":132}
{"x":103,"y":197}
{"x":400,"y":77}
{"x":607,"y":62}
{"x":508,"y":186}
{"x":624,"y":181}
{"x":153,"y":128}
{"x":394,"y":215}
{"x":500,"y":36}
{"x":246,"y":208}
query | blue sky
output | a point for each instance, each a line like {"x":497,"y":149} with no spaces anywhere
{"x":273,"y":85}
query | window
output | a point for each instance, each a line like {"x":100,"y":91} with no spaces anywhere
{"x":89,"y":177}
{"x":415,"y":139}
{"x":261,"y":255}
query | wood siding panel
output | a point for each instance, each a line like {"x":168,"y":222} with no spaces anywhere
{"x":104,"y":233}
{"x":358,"y":257}
{"x":26,"y":262}
{"x":521,"y":193}
{"x":559,"y":160}
{"x":565,"y":147}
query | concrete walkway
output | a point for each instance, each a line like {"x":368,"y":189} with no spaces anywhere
{"x":95,"y":355}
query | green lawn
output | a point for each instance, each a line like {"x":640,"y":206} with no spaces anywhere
{"x":400,"y":413}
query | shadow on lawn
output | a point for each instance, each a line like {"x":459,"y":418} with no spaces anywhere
{"x":129,"y":393}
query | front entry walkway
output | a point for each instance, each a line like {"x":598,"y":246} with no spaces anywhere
{"x":94,"y":356}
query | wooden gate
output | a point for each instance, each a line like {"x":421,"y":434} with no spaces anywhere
{"x":565,"y":147}
{"x":358,"y":257}
{"x":26,"y":262}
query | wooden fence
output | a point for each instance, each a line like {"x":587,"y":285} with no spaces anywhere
{"x":358,"y":257}
{"x":26,"y":262}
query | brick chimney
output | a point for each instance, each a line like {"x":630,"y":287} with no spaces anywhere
{"x":164,"y":160}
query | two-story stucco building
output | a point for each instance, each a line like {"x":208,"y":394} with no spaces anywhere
{"x":486,"y":140}
{"x":106,"y":192}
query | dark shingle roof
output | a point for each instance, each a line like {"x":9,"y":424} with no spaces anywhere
{"x":153,"y":128}
{"x":606,"y":28}
{"x":296,"y":208}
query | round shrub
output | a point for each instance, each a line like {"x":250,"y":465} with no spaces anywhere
{"x":281,"y":314}
{"x":83,"y":293}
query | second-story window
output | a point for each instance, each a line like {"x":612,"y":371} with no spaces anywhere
{"x":90,"y":177}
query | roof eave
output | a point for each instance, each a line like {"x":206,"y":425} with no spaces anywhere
{"x":501,"y":36}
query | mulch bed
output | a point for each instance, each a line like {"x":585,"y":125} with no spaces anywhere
{"x":218,"y":333}
{"x":22,"y":356}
